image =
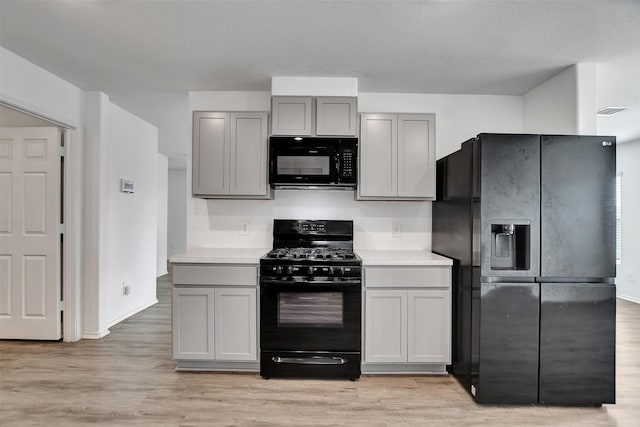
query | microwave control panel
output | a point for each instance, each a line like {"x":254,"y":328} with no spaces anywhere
{"x":347,"y":164}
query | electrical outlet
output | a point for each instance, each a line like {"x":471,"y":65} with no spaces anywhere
{"x":631,"y":276}
{"x":396,"y":229}
{"x":244,"y":228}
{"x":126,"y":288}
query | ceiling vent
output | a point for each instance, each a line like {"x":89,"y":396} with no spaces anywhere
{"x":610,"y":111}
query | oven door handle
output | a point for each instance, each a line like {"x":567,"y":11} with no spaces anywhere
{"x":314,"y":360}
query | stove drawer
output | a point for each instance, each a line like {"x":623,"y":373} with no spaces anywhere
{"x":219,"y":275}
{"x":407,"y":277}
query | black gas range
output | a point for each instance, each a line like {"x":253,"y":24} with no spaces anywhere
{"x":310,"y":301}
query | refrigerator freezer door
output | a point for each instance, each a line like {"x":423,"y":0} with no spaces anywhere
{"x":578,"y":207}
{"x":577,"y":343}
{"x":510,"y":198}
{"x":509,"y":320}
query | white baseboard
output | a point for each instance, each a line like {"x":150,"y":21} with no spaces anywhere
{"x":628,"y":298}
{"x":95,"y":335}
{"x":132,"y":312}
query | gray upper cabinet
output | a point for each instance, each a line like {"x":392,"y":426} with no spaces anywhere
{"x":397,"y":157}
{"x":230,"y":154}
{"x":211,"y":135}
{"x":291,"y":115}
{"x":378,"y":155}
{"x":309,"y":116}
{"x":335,"y":116}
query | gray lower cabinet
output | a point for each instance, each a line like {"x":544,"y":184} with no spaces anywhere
{"x":407,"y":319}
{"x":397,"y":157}
{"x":214,"y":317}
{"x":313,"y":116}
{"x":193,"y":323}
{"x":229,"y":155}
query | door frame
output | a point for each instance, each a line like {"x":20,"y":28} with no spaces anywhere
{"x":71,"y":201}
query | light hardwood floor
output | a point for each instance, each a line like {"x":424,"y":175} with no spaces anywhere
{"x":128,"y":378}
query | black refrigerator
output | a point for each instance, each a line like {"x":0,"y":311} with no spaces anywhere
{"x":530,"y":223}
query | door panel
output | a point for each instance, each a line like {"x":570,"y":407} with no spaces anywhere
{"x":578,"y":207}
{"x":6,"y":217}
{"x":211,"y":140}
{"x":35,"y":204}
{"x":416,"y":171}
{"x":577,"y":343}
{"x":236,"y":325}
{"x":29,"y":237}
{"x":291,"y":115}
{"x":193,"y":323}
{"x":386,"y":326}
{"x":510,"y":183}
{"x":429,"y":326}
{"x":248,"y":163}
{"x":378,"y":155}
{"x":509,"y":319}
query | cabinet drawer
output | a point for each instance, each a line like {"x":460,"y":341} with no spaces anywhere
{"x":245,"y":275}
{"x":390,"y":277}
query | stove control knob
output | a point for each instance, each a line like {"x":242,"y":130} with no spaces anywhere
{"x":278,"y":270}
{"x":310,"y":271}
{"x":289,"y":271}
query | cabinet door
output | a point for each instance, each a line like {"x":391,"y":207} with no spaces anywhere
{"x":291,"y":115}
{"x":335,"y":116}
{"x":385,"y":326}
{"x":248,"y":165}
{"x":378,"y":155}
{"x":210,"y":155}
{"x":416,"y":157}
{"x":429,"y":326}
{"x":193,"y":323}
{"x":236,"y":325}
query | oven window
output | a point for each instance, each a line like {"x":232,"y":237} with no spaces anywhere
{"x":303,"y":165}
{"x":310,"y":308}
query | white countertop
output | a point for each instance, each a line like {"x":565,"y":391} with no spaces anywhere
{"x":220,"y":256}
{"x":253,"y":255}
{"x":423,"y":258}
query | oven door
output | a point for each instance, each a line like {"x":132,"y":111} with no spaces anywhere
{"x":310,"y":316}
{"x":303,"y":164}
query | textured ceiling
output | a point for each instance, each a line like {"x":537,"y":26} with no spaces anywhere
{"x":147,"y":54}
{"x":481,"y":47}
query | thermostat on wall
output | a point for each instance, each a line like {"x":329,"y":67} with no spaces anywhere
{"x":126,"y":185}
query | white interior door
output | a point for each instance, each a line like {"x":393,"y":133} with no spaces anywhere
{"x":29,"y":235}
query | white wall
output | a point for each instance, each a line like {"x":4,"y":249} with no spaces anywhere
{"x":96,"y":211}
{"x":619,"y":86}
{"x":30,"y":88}
{"x":216,"y":223}
{"x":177,"y":216}
{"x":130,"y":247}
{"x":162,"y":223}
{"x":628,"y":271}
{"x":34,"y":89}
{"x":551,"y":107}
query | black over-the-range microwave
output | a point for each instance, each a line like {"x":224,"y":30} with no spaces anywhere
{"x":313,"y":162}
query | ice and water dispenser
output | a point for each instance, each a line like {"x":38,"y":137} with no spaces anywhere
{"x":510,"y":245}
